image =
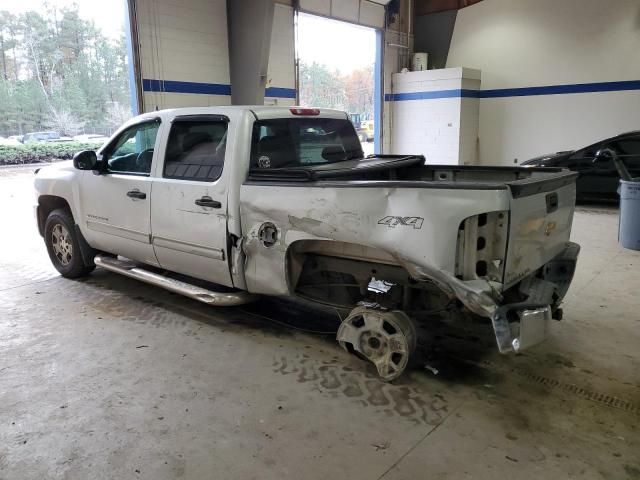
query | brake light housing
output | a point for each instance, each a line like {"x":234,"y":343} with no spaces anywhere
{"x":304,"y":111}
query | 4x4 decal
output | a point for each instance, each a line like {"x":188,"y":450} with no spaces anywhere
{"x":391,"y":221}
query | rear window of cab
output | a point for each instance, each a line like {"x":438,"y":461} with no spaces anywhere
{"x":299,"y":142}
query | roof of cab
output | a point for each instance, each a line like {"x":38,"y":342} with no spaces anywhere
{"x":260,"y":111}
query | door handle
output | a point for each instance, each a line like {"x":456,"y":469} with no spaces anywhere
{"x":136,"y":194}
{"x":207,"y":201}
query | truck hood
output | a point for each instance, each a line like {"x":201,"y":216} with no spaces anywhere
{"x":58,"y":173}
{"x":65,"y":166}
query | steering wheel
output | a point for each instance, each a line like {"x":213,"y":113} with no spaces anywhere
{"x":143,"y":163}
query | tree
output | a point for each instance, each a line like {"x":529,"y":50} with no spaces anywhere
{"x":321,"y":87}
{"x":64,"y":122}
{"x":117,"y":114}
{"x":7,"y":42}
{"x":359,"y":92}
{"x":57,"y":68}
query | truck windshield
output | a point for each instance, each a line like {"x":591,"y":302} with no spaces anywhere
{"x":300,"y":142}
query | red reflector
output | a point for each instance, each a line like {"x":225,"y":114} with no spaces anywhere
{"x":305,"y":111}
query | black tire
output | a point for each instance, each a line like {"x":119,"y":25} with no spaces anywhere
{"x":63,"y":246}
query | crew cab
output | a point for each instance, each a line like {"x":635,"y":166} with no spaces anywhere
{"x":281,"y":201}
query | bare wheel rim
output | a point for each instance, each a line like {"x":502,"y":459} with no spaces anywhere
{"x":61,"y":244}
{"x":387,"y":339}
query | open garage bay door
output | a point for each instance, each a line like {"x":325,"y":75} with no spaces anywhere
{"x":362,"y":12}
{"x":365,"y":13}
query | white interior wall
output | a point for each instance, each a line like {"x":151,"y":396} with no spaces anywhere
{"x":183,"y":42}
{"x":183,"y":49}
{"x":532,"y":43}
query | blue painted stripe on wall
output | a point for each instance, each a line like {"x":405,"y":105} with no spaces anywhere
{"x":175,"y":86}
{"x":280,"y":92}
{"x":519,"y":92}
{"x":562,"y":89}
{"x":454,"y":93}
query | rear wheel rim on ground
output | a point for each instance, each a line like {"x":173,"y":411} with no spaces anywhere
{"x":385,"y":338}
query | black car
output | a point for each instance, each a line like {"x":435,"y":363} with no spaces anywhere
{"x":598,"y":180}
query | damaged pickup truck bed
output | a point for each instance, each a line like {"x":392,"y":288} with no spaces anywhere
{"x":279,"y":201}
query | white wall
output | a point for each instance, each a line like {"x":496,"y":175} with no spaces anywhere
{"x":528,"y":43}
{"x":186,"y":42}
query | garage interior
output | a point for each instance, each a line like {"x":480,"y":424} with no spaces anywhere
{"x":106,"y":377}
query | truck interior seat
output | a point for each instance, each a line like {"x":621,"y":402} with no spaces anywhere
{"x":199,"y":158}
{"x":274,"y":151}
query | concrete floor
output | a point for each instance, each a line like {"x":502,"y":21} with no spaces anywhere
{"x":109,"y":378}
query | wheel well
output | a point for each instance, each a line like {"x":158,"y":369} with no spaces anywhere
{"x":340,"y":274}
{"x":46,"y":205}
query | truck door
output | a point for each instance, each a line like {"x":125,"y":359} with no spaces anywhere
{"x":115,"y":204}
{"x":189,"y":204}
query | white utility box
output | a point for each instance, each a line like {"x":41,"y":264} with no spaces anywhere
{"x":436,"y":113}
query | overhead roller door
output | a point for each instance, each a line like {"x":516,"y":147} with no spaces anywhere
{"x":361,"y":12}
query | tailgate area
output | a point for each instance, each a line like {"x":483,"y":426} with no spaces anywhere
{"x":541,"y":212}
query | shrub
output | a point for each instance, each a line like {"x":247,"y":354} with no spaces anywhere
{"x":41,"y":152}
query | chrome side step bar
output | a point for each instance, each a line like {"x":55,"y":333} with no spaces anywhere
{"x":130,"y":269}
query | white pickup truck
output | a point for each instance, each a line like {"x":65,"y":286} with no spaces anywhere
{"x":281,"y":201}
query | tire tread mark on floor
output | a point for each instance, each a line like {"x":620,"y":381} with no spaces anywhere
{"x":420,"y":440}
{"x":553,"y":384}
{"x":598,"y":397}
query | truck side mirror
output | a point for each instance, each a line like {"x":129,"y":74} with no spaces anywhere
{"x":85,"y":160}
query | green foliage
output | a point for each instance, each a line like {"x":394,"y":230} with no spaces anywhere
{"x":56,"y":65}
{"x":41,"y":152}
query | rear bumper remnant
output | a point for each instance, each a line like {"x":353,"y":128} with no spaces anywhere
{"x":517,"y":326}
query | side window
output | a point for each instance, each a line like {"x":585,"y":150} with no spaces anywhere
{"x":132,"y":151}
{"x":629,"y":151}
{"x":195,"y":150}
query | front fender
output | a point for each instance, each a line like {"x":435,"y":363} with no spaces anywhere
{"x":60,"y":180}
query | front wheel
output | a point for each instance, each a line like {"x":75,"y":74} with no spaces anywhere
{"x":63,"y":246}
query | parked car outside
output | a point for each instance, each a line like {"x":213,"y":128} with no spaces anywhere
{"x":597,"y":180}
{"x":91,"y":138}
{"x":9,"y":141}
{"x":368,"y":130}
{"x":44,"y":137}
